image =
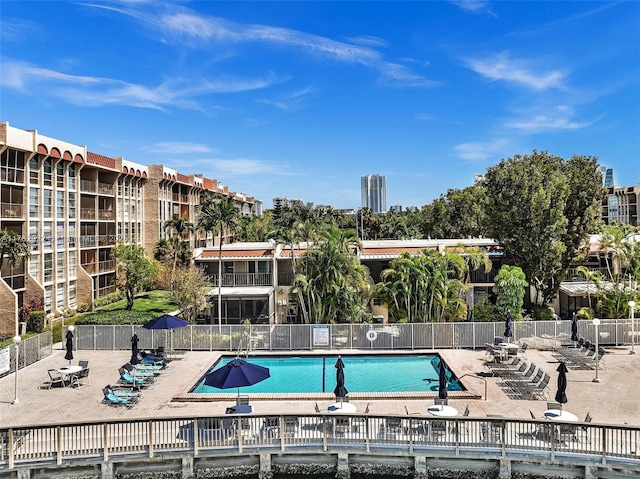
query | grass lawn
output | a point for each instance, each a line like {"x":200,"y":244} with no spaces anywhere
{"x":151,"y":301}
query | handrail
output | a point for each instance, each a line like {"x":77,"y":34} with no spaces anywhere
{"x":478,"y":377}
{"x":222,"y":435}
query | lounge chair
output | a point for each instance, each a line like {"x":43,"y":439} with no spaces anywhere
{"x":127,"y":379}
{"x":113,"y":400}
{"x":139,"y":373}
{"x":125,"y":393}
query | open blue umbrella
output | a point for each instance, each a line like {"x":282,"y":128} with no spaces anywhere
{"x":340,"y":391}
{"x":508,"y":324}
{"x":442,"y":381}
{"x":236,"y":373}
{"x":166,"y":321}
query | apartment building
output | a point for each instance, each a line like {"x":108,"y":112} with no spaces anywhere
{"x":257,"y":277}
{"x":74,"y":205}
{"x":620,"y":204}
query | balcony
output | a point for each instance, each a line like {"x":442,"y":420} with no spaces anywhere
{"x":105,"y":189}
{"x":479,"y":276}
{"x":11,"y":210}
{"x":180,"y":198}
{"x":106,"y":290}
{"x":87,"y":213}
{"x":90,"y":241}
{"x":573,"y":275}
{"x":88,"y":186}
{"x":242,"y":279}
{"x":104,"y":266}
{"x":285,"y":279}
{"x":105,"y":214}
{"x":90,"y":268}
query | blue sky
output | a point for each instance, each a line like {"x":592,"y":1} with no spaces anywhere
{"x":301,"y":99}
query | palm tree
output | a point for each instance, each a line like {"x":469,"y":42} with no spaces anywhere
{"x":180,"y":226}
{"x":13,"y":248}
{"x":590,"y":276}
{"x":218,"y":215}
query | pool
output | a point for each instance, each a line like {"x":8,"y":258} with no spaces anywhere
{"x":363,"y":374}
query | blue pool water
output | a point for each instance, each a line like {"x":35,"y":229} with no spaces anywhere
{"x":316,"y":374}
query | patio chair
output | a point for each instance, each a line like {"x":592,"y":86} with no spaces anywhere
{"x":554,"y":405}
{"x":497,"y":340}
{"x":317,"y":408}
{"x":55,"y":378}
{"x":270,"y":427}
{"x":242,"y":400}
{"x":291,"y":425}
{"x":522,"y":350}
{"x":440,"y":402}
{"x":437,"y":428}
{"x":567,"y":432}
{"x":112,"y":400}
{"x":584,"y":429}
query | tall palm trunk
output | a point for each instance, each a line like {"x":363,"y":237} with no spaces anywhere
{"x":220,"y":283}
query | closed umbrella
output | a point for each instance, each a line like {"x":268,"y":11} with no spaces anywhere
{"x":134,"y":349}
{"x":69,"y":346}
{"x":340,"y":391}
{"x":561,"y":394}
{"x":508,"y":324}
{"x":442,"y":381}
{"x":574,"y":327}
{"x":236,"y":373}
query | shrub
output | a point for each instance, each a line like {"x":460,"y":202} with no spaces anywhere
{"x":117,"y":317}
{"x":543,"y":313}
{"x":109,"y":299}
{"x":69,"y":313}
{"x":484,"y":311}
{"x":36,"y":321}
{"x":84,"y":307}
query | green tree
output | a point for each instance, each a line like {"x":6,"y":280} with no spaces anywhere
{"x":181,"y":227}
{"x":13,"y":248}
{"x":190,"y":292}
{"x":530,"y":212}
{"x":510,"y":287}
{"x":218,"y":215}
{"x":134,"y":271}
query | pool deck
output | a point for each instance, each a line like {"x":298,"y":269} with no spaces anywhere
{"x":612,"y":401}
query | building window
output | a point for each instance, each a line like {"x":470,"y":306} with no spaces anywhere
{"x":48,"y":292}
{"x":48,"y":267}
{"x":72,"y":294}
{"x":46,"y":203}
{"x":227,"y":267}
{"x":59,"y":266}
{"x":47,"y":236}
{"x":60,"y":296}
{"x":46,"y":172}
{"x":60,"y":238}
{"x":33,"y":235}
{"x":71,"y":235}
{"x":71,"y":261}
{"x":60,"y":175}
{"x":71,"y":181}
{"x":34,"y":171}
{"x":34,"y":267}
{"x":34,"y":200}
{"x":59,"y":204}
{"x":71,"y":208}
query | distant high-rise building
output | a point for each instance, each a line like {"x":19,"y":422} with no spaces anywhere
{"x":620,"y":205}
{"x":373,"y":189}
{"x":607,"y":176}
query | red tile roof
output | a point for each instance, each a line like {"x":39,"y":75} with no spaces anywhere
{"x":210,"y":253}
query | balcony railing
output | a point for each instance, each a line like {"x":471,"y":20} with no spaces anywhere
{"x":108,"y":265}
{"x":88,"y":186}
{"x":105,"y":189}
{"x":573,"y":275}
{"x":87,"y":213}
{"x":89,"y":268}
{"x":89,"y":241}
{"x":105,"y":214}
{"x":11,"y":210}
{"x":285,"y":279}
{"x":476,"y":439}
{"x":106,"y":290}
{"x":243,"y":279}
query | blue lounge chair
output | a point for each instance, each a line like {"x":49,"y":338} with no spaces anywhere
{"x":153,"y":360}
{"x":126,"y":378}
{"x":124,"y":393}
{"x":139,"y":373}
{"x":113,"y":400}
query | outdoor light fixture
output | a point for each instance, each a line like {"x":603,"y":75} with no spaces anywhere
{"x":596,"y":323}
{"x":17,"y":340}
{"x":632,"y":305}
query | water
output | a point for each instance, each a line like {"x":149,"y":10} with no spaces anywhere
{"x":317,"y":374}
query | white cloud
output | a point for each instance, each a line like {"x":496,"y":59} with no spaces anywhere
{"x":424,"y":117}
{"x":98,"y":91}
{"x":177,"y":148}
{"x":243,"y":166}
{"x":196,"y":30}
{"x":474,"y":6}
{"x":482,"y":150}
{"x":558,"y":118}
{"x":520,"y":72}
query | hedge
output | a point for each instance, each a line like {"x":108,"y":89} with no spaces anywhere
{"x":117,"y":317}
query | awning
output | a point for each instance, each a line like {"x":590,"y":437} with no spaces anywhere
{"x":578,"y":288}
{"x":242,"y":291}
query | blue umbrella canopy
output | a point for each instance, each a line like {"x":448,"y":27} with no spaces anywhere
{"x":166,"y":321}
{"x":442,"y":382}
{"x":236,"y":373}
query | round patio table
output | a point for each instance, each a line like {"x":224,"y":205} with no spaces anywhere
{"x":342,"y":408}
{"x":443,"y":411}
{"x":560,"y":415}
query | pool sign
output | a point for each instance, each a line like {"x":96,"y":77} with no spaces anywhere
{"x":321,"y":335}
{"x":4,"y":360}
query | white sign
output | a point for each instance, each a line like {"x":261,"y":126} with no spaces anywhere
{"x":321,"y":335}
{"x":4,"y":360}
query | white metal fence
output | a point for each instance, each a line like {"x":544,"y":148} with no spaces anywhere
{"x":32,"y":350}
{"x":289,"y":337}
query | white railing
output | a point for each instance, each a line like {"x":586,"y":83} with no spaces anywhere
{"x":225,"y":435}
{"x":32,"y":350}
{"x":290,"y":337}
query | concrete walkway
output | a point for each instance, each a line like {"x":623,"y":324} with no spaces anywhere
{"x":612,"y":401}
